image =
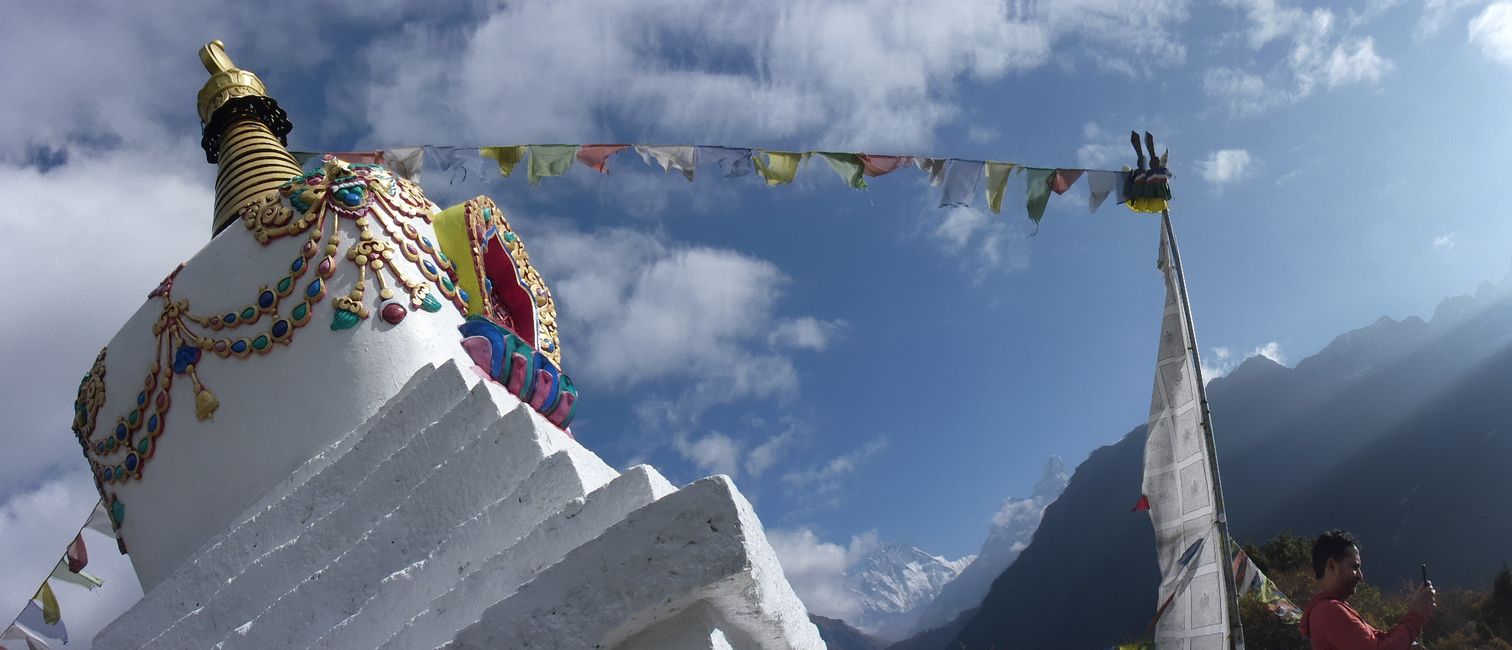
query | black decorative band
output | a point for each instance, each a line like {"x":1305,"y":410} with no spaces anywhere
{"x":257,"y":107}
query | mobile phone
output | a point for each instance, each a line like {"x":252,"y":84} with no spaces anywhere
{"x":1425,"y":573}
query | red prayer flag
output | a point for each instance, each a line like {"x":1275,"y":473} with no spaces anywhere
{"x":77,"y":555}
{"x":879,"y":165}
{"x":1063,"y":179}
{"x":1143,"y":505}
{"x":597,"y":155}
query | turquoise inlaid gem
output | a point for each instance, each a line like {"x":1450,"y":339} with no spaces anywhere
{"x":260,"y":343}
{"x":280,"y":328}
{"x":301,"y":311}
{"x":265,"y":299}
{"x":248,"y":313}
{"x":430,"y":304}
{"x":120,"y":472}
{"x":509,"y":236}
{"x":314,"y":288}
{"x":110,"y":444}
{"x":239,"y":346}
{"x":144,"y":446}
{"x":118,"y":512}
{"x":284,"y":284}
{"x":134,"y":417}
{"x":343,"y":319}
{"x":447,"y":283}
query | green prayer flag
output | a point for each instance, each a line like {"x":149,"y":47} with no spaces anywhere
{"x":550,"y":160}
{"x":848,"y":166}
{"x":507,"y":157}
{"x":997,"y":179}
{"x":780,"y":168}
{"x":1039,"y":191}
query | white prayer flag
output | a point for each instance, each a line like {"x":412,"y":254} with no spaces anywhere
{"x":1178,"y":482}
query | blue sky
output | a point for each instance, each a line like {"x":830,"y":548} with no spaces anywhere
{"x":867,"y":365}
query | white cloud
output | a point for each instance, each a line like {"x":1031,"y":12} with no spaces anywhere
{"x":1436,"y":14}
{"x":982,"y":134}
{"x":1491,"y":31}
{"x":766,"y":454}
{"x":1101,"y":149}
{"x":1445,"y":242}
{"x":822,"y":486}
{"x":35,"y":527}
{"x":1314,"y":57}
{"x":1221,"y":361}
{"x":816,"y":569}
{"x":754,"y":70}
{"x":715,"y":453}
{"x":1225,"y":166}
{"x":982,"y":241}
{"x":807,"y":333}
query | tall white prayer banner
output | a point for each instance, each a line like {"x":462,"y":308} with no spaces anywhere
{"x":1179,"y":486}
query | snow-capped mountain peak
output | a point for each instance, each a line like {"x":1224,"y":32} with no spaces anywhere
{"x":894,"y":581}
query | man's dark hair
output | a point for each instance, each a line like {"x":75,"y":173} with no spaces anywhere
{"x":1331,"y":545}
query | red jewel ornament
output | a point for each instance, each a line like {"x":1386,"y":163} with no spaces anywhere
{"x":393,"y":312}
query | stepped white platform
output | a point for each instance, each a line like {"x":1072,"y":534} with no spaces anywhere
{"x":458,"y":517}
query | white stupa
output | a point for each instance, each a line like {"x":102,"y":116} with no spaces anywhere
{"x":343,"y":424}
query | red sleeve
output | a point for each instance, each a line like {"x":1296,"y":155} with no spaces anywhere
{"x":1336,"y":625}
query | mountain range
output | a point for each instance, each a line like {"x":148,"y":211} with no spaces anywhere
{"x":1400,"y":431}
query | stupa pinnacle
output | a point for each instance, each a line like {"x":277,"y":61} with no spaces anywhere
{"x":244,"y":131}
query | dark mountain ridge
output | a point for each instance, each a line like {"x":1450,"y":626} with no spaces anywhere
{"x":1400,"y":431}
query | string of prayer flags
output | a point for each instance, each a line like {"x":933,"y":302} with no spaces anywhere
{"x":883,"y":165}
{"x":780,"y":167}
{"x":1039,"y":192}
{"x":961,"y":182}
{"x":1250,"y":581}
{"x":80,"y":578}
{"x":734,"y":162}
{"x":49,"y":602}
{"x":77,"y":555}
{"x":550,"y":160}
{"x":99,"y":521}
{"x":596,"y":156}
{"x":506,"y":157}
{"x":406,"y":161}
{"x":682,"y":158}
{"x":35,"y":621}
{"x":1063,"y":179}
{"x":997,"y":180}
{"x":18,"y":632}
{"x":935,"y":167}
{"x":848,"y":166}
{"x":1100,"y":184}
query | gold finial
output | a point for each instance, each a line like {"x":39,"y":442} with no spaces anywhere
{"x":226,"y":80}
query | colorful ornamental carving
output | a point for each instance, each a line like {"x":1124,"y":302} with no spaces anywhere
{"x":511,"y":331}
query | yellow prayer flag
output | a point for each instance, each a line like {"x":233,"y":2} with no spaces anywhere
{"x":507,"y":157}
{"x":50,"y":613}
{"x":997,"y":179}
{"x":781,"y":167}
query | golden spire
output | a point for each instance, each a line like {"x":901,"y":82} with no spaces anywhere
{"x":243,"y":131}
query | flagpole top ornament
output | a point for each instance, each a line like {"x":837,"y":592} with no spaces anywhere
{"x":226,"y":81}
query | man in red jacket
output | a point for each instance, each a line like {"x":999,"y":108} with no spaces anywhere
{"x":1332,"y":624}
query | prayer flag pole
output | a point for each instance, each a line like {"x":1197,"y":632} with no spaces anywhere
{"x":1236,"y":629}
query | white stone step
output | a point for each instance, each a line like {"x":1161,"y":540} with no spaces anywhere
{"x":491,"y":572}
{"x":699,"y":627}
{"x":316,"y":487}
{"x":505,"y":461}
{"x":702,"y":543}
{"x":372,"y":494}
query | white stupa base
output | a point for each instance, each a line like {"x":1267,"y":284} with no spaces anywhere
{"x":456,"y":516}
